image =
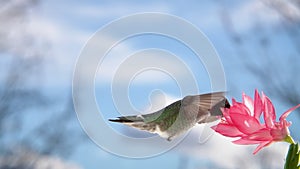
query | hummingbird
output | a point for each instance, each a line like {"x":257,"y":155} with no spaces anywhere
{"x":180,"y":116}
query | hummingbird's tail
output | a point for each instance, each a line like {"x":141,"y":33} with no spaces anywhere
{"x":126,"y":119}
{"x":136,"y":122}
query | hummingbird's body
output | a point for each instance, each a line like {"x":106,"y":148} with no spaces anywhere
{"x":179,"y":116}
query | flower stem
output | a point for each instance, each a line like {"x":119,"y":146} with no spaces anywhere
{"x":289,"y":139}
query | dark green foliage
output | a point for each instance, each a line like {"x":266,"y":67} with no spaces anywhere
{"x":292,"y":158}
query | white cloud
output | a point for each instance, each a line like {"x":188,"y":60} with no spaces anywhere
{"x":247,"y":15}
{"x":66,"y":40}
{"x":22,"y":158}
{"x":63,"y":46}
{"x":142,"y":66}
{"x":222,"y":152}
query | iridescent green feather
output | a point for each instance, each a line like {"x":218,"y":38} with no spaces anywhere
{"x":168,"y":116}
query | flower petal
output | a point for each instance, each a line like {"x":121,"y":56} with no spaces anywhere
{"x":248,"y":102}
{"x":280,"y":133}
{"x":261,"y":135}
{"x":269,"y":111}
{"x":225,"y":112}
{"x":258,"y":106}
{"x":233,"y":102}
{"x":262,"y":145}
{"x":285,"y":114}
{"x":245,"y":123}
{"x":240,"y":109}
{"x":243,"y":141}
{"x":227,"y":130}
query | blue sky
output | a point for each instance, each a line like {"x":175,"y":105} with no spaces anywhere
{"x":68,"y":25}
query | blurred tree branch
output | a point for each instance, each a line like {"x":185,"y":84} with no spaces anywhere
{"x":280,"y":78}
{"x":21,"y":94}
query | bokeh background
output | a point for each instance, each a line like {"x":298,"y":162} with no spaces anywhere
{"x":258,"y":43}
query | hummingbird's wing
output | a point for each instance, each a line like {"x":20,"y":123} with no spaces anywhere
{"x":197,"y":109}
{"x":206,"y":107}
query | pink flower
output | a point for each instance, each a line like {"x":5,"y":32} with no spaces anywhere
{"x":243,"y":120}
